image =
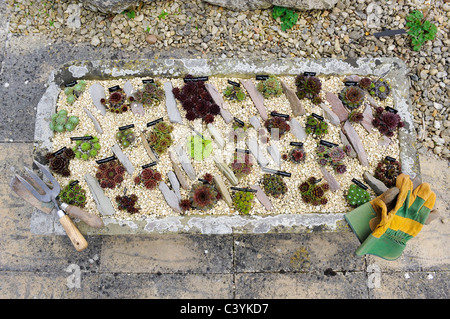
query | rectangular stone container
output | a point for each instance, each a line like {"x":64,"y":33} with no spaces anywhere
{"x":392,"y":69}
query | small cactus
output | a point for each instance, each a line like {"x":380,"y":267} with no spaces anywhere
{"x":357,"y":196}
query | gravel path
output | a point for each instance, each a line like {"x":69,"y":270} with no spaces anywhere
{"x":345,"y":31}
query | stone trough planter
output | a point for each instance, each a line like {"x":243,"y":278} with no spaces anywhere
{"x":393,"y":70}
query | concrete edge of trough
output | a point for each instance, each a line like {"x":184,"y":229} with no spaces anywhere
{"x":392,"y":69}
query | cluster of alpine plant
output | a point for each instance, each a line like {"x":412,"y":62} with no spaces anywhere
{"x":73,"y":92}
{"x":355,"y":117}
{"x":86,"y":149}
{"x":117,"y":102}
{"x":271,"y":87}
{"x":125,"y":137}
{"x":380,"y":88}
{"x":386,"y":122}
{"x":61,"y":122}
{"x":73,"y":194}
{"x":243,"y":201}
{"x":309,"y":87}
{"x":333,"y":156}
{"x":313,"y":192}
{"x":387,"y":171}
{"x":203,"y":196}
{"x":234,"y":93}
{"x":357,"y":196}
{"x":160,"y":139}
{"x":128,"y":203}
{"x":151,"y":94}
{"x":352,"y":97}
{"x":148,"y":177}
{"x":110,"y":174}
{"x":59,"y":163}
{"x":364,"y":83}
{"x":196,"y":101}
{"x":242,"y":164}
{"x":297,"y":155}
{"x":315,"y":126}
{"x":274,"y":185}
{"x":277,"y":124}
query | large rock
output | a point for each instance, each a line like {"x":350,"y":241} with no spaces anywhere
{"x":244,"y":5}
{"x":111,"y":6}
{"x":118,"y":6}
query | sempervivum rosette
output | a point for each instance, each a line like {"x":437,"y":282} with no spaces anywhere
{"x":352,"y":97}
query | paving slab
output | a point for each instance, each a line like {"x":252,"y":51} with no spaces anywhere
{"x":179,"y":253}
{"x":315,"y":251}
{"x":348,"y":285}
{"x":166,"y":286}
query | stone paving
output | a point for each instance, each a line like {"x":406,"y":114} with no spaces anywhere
{"x":313,"y":264}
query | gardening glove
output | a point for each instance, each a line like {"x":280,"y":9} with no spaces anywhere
{"x":364,"y":219}
{"x":403,"y":222}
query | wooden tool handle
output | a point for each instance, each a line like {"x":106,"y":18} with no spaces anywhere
{"x":74,"y":234}
{"x":90,"y":219}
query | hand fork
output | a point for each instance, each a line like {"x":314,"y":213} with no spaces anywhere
{"x":50,"y":195}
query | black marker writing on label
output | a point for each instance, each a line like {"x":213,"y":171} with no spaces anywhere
{"x":300,"y":144}
{"x":59,"y":151}
{"x":244,"y":189}
{"x":196,"y":79}
{"x":70,"y":84}
{"x":279,"y":114}
{"x":241,"y":123}
{"x":261,"y":77}
{"x":114,"y":88}
{"x":154,"y":122}
{"x":390,"y":109}
{"x":105,"y":160}
{"x":320,"y":118}
{"x":149,"y":165}
{"x":82,"y":138}
{"x":328,"y":144}
{"x":234,"y":83}
{"x":354,"y":180}
{"x":274,"y":171}
{"x":123,"y":128}
{"x":74,"y":183}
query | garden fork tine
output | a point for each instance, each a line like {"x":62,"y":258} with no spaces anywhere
{"x":50,"y":194}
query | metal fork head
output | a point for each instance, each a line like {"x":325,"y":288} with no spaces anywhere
{"x":50,"y":194}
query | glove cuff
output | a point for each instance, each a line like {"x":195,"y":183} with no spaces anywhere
{"x":358,"y":220}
